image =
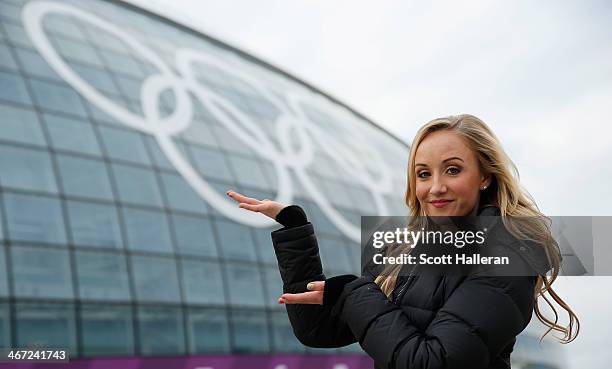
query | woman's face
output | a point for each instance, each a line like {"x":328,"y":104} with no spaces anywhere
{"x":448,"y":176}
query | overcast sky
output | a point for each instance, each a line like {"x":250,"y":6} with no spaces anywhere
{"x":539,"y":73}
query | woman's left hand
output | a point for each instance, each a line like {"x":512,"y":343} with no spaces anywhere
{"x":314,"y":296}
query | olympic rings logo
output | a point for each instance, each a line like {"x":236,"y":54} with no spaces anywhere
{"x":184,"y":85}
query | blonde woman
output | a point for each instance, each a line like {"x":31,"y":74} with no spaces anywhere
{"x":457,"y":167}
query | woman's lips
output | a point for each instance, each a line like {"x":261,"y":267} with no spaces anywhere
{"x":441,"y":203}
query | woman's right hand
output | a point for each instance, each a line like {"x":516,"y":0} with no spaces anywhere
{"x":266,"y":207}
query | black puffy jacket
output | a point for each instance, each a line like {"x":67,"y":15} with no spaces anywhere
{"x":464,"y":322}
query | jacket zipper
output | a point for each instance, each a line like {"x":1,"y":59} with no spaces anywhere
{"x":404,"y":286}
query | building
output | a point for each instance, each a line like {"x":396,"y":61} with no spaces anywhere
{"x":120,"y":132}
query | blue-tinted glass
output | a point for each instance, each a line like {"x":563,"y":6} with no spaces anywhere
{"x":194,"y":236}
{"x":13,"y":88}
{"x":84,"y":177}
{"x":94,"y":225}
{"x":5,"y":326}
{"x":273,"y":284}
{"x":236,"y":241}
{"x":137,"y":185}
{"x":263,"y":239}
{"x":41,"y":272}
{"x":129,"y":86}
{"x":33,"y":64}
{"x":96,"y":77}
{"x":199,"y":132}
{"x":246,"y":284}
{"x":102,"y":275}
{"x":250,"y":330}
{"x":17,"y":35}
{"x":77,"y":51}
{"x":121,"y":63}
{"x":10,"y":11}
{"x":45,"y":325}
{"x":211,"y":164}
{"x":227,"y":140}
{"x":208,"y":331}
{"x":6,"y":58}
{"x":26,"y":169}
{"x":181,"y":196}
{"x":334,"y":254}
{"x":159,"y":158}
{"x":202,"y":282}
{"x":155,"y":279}
{"x":71,"y":134}
{"x":4,"y":290}
{"x":147,"y":230}
{"x":161,"y":330}
{"x":248,"y":172}
{"x":107,"y":330}
{"x":60,"y":24}
{"x":20,"y":125}
{"x":34,"y":218}
{"x":124,"y":145}
{"x":57,"y":97}
{"x":283,"y":338}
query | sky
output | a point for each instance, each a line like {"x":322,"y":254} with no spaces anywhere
{"x":539,"y":73}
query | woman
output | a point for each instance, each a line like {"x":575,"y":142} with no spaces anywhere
{"x":457,"y":167}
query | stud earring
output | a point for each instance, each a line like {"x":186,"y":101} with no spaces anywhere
{"x":483,"y":188}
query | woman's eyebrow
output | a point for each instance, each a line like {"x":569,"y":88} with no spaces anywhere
{"x":445,"y":160}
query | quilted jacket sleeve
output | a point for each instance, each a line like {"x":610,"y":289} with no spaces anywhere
{"x":481,"y":316}
{"x":298,"y":259}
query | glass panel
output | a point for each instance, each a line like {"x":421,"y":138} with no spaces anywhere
{"x":147,"y":230}
{"x":248,"y":172}
{"x":155,"y":279}
{"x":56,"y":97}
{"x":250,"y":330}
{"x":211,"y":164}
{"x":71,"y":50}
{"x":13,"y":88}
{"x":4,"y":290}
{"x":236,"y":241}
{"x":94,"y":224}
{"x":34,"y":218}
{"x":17,"y":35}
{"x":273,"y":284}
{"x":137,"y":185}
{"x":39,"y":272}
{"x":5,"y":326}
{"x":246,"y":284}
{"x":84,"y":177}
{"x":97,"y":78}
{"x":202,"y":282}
{"x":263,"y":239}
{"x":334,"y":254}
{"x":46,"y":325}
{"x":124,"y":145}
{"x":26,"y":169}
{"x":71,"y":134}
{"x":6,"y":59}
{"x":208,"y":331}
{"x":107,"y":330}
{"x":102,"y":275}
{"x":282,"y":334}
{"x":161,"y":330}
{"x":194,"y":236}
{"x":33,"y":64}
{"x":181,"y":196}
{"x":20,"y":125}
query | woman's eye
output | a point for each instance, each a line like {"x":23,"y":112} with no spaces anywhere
{"x":422,"y":174}
{"x":453,"y":170}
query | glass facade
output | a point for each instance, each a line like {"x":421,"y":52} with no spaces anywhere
{"x":119,"y":134}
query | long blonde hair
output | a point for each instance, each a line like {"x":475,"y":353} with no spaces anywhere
{"x":504,"y":192}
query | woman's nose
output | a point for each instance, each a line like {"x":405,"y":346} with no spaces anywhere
{"x":437,"y":186}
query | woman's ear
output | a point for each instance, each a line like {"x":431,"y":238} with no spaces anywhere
{"x":485,"y":181}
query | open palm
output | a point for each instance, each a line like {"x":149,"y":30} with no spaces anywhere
{"x":271,"y":209}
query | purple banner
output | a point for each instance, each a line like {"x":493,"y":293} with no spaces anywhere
{"x":347,"y":361}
